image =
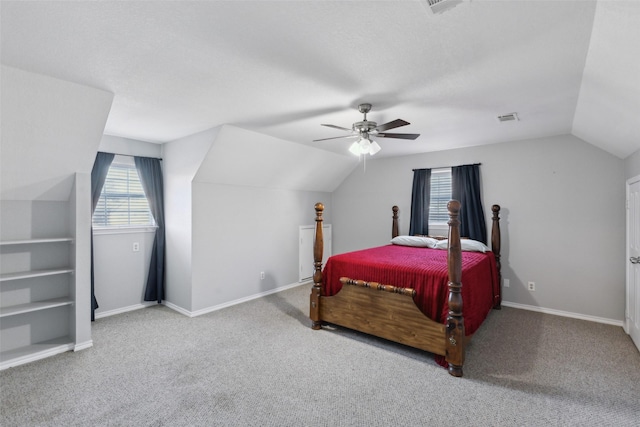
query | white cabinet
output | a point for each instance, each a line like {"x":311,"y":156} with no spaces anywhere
{"x":307,"y":235}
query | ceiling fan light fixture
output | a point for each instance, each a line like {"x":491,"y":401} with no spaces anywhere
{"x":355,"y":148}
{"x":364,"y":144}
{"x":374,"y":148}
{"x":364,"y":129}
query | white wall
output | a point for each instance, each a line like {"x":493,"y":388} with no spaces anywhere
{"x":222,"y":219}
{"x":120,"y":273}
{"x":563,"y":217}
{"x":632,"y":165}
{"x":241,"y":231}
{"x":182,"y":158}
{"x":129,"y":147}
{"x":80,"y":224}
{"x":244,"y":158}
{"x":250,"y":195}
{"x":50,"y":130}
{"x":235,"y":199}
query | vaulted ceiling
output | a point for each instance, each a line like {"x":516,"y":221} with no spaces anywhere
{"x":284,"y":67}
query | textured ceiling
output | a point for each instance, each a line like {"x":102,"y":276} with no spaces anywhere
{"x":284,"y":67}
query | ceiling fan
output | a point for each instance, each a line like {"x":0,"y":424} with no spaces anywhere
{"x":366,"y":129}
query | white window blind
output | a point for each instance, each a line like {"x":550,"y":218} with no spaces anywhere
{"x":122,"y":202}
{"x":440,"y":196}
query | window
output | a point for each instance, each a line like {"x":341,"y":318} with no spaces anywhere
{"x":440,"y":196}
{"x":122,"y":202}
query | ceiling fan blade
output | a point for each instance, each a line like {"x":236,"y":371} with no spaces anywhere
{"x":336,"y":127}
{"x":392,"y":125}
{"x":398,"y":135}
{"x":336,"y":137}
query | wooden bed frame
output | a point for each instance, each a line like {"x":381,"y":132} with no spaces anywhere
{"x":389,"y":312}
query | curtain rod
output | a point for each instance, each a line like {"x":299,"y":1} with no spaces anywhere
{"x":130,"y":155}
{"x":445,"y":167}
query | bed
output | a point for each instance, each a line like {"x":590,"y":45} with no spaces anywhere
{"x":411,"y":295}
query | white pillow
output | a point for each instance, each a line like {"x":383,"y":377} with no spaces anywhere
{"x":417,"y":241}
{"x":465,"y":245}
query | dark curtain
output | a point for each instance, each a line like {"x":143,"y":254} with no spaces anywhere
{"x":98,"y":176}
{"x":420,"y":197}
{"x":465,"y":187}
{"x":150,"y":172}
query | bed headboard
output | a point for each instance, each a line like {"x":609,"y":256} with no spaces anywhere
{"x":495,"y":239}
{"x":394,"y":225}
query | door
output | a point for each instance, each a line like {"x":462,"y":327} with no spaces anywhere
{"x":633,"y":260}
{"x":307,"y":234}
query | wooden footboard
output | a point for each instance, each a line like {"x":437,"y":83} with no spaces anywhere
{"x":384,"y":311}
{"x":390,"y":312}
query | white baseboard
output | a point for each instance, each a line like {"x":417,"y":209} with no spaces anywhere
{"x":125,"y":309}
{"x":177,"y":308}
{"x":83,"y":345}
{"x":32,"y":354}
{"x":564,"y":313}
{"x":230,"y":303}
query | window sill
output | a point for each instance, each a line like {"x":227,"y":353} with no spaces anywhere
{"x":124,"y":230}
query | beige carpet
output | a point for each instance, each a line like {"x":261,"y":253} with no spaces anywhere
{"x":260,"y":364}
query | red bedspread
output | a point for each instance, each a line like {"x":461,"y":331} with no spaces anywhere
{"x":424,"y":270}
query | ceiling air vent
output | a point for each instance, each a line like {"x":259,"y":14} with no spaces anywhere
{"x":439,"y":6}
{"x":508,"y":117}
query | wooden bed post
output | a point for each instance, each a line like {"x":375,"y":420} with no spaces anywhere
{"x":318,"y":250}
{"x":495,"y":248}
{"x":455,"y":336}
{"x":394,"y":226}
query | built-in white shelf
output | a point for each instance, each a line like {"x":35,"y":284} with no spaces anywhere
{"x":30,"y":353}
{"x":32,"y":241}
{"x":44,"y":267}
{"x":34,"y":306}
{"x":34,"y":273}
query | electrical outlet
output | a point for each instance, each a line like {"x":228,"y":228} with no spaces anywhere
{"x":531,"y":286}
{"x":136,"y":247}
{"x":506,"y":283}
{"x":262,"y":275}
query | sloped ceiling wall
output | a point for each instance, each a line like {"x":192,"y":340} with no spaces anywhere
{"x":607,"y":109}
{"x":51,"y":129}
{"x":247,"y":158}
